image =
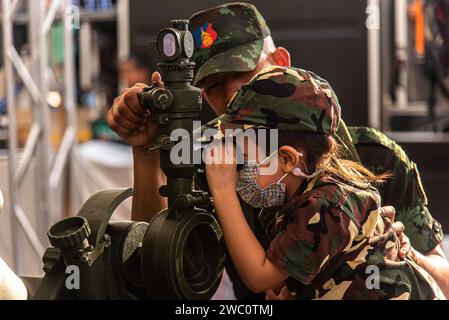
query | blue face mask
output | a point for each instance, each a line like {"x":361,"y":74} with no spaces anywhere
{"x":257,"y":197}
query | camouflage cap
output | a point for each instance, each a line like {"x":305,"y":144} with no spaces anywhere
{"x":228,"y":38}
{"x":283,"y":98}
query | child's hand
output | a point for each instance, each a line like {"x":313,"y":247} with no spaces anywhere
{"x":221,"y":167}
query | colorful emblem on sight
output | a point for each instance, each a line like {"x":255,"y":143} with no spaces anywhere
{"x":205,"y":36}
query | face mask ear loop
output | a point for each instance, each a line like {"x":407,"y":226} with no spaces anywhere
{"x":283,"y":177}
{"x":307,"y":175}
{"x":264,"y":161}
{"x":300,"y":154}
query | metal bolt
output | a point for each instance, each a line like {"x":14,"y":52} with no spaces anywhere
{"x":183,"y":201}
{"x":163,"y":99}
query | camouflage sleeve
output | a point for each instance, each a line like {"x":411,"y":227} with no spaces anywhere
{"x":424,"y":232}
{"x":404,"y":190}
{"x":314,"y":233}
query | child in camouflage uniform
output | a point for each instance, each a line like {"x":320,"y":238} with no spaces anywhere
{"x":328,"y":239}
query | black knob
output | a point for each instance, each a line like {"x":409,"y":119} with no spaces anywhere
{"x":161,"y":98}
{"x":145,"y":97}
{"x":69,"y":233}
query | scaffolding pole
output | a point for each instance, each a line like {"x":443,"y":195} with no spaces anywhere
{"x":374,"y":64}
{"x":37,"y":148}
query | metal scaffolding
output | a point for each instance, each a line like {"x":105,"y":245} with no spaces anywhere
{"x":49,"y":166}
{"x":409,"y":68}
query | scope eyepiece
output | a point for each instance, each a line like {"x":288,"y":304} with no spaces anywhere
{"x":175,"y":43}
{"x":69,"y":233}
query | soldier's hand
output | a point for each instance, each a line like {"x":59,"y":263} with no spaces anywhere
{"x":130,"y":120}
{"x":389,"y":213}
{"x":406,"y":247}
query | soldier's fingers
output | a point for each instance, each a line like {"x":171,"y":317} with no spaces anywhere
{"x":124,"y":122}
{"x":405,"y":250}
{"x":156,"y":77}
{"x":398,"y":228}
{"x":109,"y":115}
{"x":388,"y":212}
{"x":140,"y":85}
{"x":128,"y":114}
{"x":124,"y":132}
{"x":137,"y":85}
{"x":131,"y":100}
{"x":406,"y":247}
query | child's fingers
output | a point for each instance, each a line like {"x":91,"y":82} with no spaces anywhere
{"x":230,"y":153}
{"x":212,"y":153}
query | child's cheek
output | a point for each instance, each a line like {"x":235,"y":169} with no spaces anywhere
{"x":264,"y":181}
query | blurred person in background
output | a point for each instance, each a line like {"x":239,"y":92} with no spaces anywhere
{"x":136,"y":69}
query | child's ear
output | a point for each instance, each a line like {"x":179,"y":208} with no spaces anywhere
{"x":288,"y":158}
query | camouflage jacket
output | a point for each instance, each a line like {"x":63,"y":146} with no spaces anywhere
{"x":330,"y":238}
{"x":404,"y":191}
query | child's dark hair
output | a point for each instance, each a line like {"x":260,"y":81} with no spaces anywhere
{"x":325,"y":153}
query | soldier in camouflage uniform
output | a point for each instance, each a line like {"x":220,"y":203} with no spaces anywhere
{"x":232,"y":44}
{"x":330,"y":232}
{"x":404,"y":191}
